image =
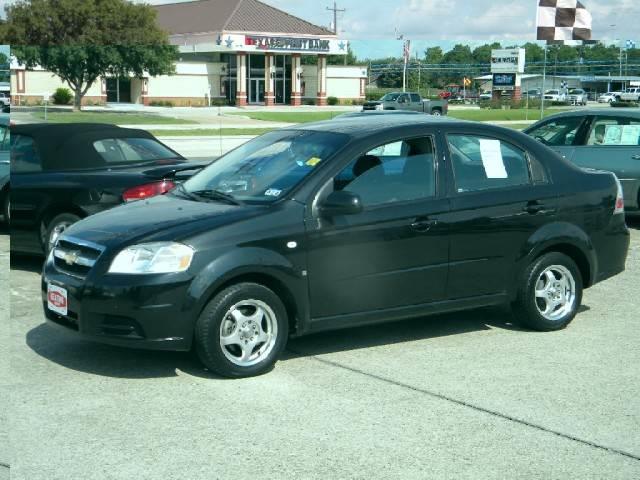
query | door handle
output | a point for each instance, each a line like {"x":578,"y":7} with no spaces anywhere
{"x":534,"y":207}
{"x":423,"y":225}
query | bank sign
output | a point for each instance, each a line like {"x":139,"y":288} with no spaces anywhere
{"x":288,"y":43}
{"x":268,"y":43}
{"x":508,"y":61}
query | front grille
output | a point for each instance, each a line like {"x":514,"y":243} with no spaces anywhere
{"x":75,"y":257}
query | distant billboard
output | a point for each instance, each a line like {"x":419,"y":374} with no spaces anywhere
{"x":511,"y":60}
{"x":504,"y":81}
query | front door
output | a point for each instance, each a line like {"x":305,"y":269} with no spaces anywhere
{"x":118,"y":90}
{"x":394,"y":253}
{"x":256,"y":90}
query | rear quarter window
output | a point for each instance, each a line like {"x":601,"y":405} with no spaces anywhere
{"x":24,"y":155}
{"x":116,"y":151}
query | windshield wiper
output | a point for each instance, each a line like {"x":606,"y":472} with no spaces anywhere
{"x":217,"y":195}
{"x":184,"y":192}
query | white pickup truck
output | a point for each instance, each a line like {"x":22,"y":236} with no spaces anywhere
{"x":631,"y":95}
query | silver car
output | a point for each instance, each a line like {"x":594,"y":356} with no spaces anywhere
{"x":598,"y":139}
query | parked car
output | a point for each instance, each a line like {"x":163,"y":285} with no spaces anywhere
{"x":577,"y":96}
{"x":533,"y":94}
{"x":4,"y":166}
{"x":555,"y":96}
{"x":609,"y":97}
{"x":631,"y":95}
{"x":408,"y":101}
{"x":601,"y":139}
{"x":486,"y":95}
{"x":335,"y":224}
{"x":61,"y":173}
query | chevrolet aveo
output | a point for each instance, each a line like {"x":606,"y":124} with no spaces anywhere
{"x":337,"y":224}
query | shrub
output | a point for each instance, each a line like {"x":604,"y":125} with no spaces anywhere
{"x":332,"y":101}
{"x":62,"y":96}
{"x":309,"y":101}
{"x":161,"y":103}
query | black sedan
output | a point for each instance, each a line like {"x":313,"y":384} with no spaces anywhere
{"x":61,"y":173}
{"x":4,"y":166}
{"x":335,"y":224}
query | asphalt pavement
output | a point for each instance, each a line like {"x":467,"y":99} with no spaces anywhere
{"x":4,"y":353}
{"x":465,"y":395}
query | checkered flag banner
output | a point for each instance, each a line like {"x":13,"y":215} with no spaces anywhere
{"x":563,"y":20}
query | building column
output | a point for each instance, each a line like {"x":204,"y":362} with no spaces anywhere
{"x":296,"y":80}
{"x":322,"y":81}
{"x":241,"y":79}
{"x":269,"y":81}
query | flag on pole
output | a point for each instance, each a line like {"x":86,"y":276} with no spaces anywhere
{"x":407,"y":51}
{"x":563,"y":20}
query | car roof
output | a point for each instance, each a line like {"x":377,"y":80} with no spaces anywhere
{"x":368,"y":125}
{"x":70,"y":145}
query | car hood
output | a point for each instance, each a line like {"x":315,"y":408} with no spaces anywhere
{"x":160,"y":218}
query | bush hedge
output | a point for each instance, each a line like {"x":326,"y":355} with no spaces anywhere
{"x":62,"y":96}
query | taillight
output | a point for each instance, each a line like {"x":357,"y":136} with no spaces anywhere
{"x":619,"y":208}
{"x":147,"y":190}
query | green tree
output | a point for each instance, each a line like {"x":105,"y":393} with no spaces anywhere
{"x":348,"y":59}
{"x":83,"y":40}
{"x":482,"y":54}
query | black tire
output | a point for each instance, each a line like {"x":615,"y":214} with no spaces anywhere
{"x":526,"y":308}
{"x":436,"y":113}
{"x":58,"y":224}
{"x":208,"y":330}
{"x":6,"y":207}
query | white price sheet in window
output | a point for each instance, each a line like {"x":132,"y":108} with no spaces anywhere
{"x":492,"y":158}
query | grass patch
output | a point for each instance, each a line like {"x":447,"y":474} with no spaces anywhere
{"x":290,"y":117}
{"x":499,"y":115}
{"x":113,"y":118}
{"x":210,"y":132}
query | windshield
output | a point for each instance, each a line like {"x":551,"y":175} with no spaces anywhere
{"x":390,"y":97}
{"x":268,"y":167}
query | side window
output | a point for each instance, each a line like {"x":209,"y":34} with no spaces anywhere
{"x":614,"y":131}
{"x":415,"y":98}
{"x":562,"y":131}
{"x":4,"y":138}
{"x":122,"y":150}
{"x":395,"y":172}
{"x":482,"y":163}
{"x":404,"y":98}
{"x":24,"y":155}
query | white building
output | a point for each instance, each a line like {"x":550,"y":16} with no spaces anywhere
{"x":235,"y":51}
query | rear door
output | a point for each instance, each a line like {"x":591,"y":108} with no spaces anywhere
{"x":500,"y":196}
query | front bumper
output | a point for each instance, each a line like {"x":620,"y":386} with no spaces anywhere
{"x":144,"y":311}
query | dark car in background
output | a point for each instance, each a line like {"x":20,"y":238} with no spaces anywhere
{"x":61,"y":173}
{"x":599,"y":139}
{"x":4,"y":166}
{"x":336,"y":224}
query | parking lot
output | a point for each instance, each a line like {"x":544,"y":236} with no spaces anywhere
{"x":465,"y":395}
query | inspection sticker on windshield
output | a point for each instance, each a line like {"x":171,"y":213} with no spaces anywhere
{"x":273,"y":192}
{"x":492,"y":158}
{"x":313,"y":161}
{"x":57,"y":299}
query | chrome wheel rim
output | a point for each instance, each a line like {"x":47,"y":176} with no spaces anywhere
{"x":248,"y":333}
{"x":56,"y":232}
{"x":555,"y":293}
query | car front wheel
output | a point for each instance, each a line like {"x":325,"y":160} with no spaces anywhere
{"x":242,"y":331}
{"x":56,"y":227}
{"x":550,"y":293}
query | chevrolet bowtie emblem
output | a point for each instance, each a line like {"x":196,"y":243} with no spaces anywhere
{"x":71,"y":257}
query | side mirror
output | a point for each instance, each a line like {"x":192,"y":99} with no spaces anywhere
{"x":341,"y":203}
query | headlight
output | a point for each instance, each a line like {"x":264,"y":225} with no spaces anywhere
{"x":160,"y":257}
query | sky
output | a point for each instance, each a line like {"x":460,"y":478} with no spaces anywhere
{"x":371,"y":30}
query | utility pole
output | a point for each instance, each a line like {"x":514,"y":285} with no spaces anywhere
{"x":335,"y":11}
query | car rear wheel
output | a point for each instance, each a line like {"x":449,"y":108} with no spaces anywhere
{"x":436,"y":113}
{"x":550,"y":293}
{"x":56,"y":227}
{"x":242,"y":331}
